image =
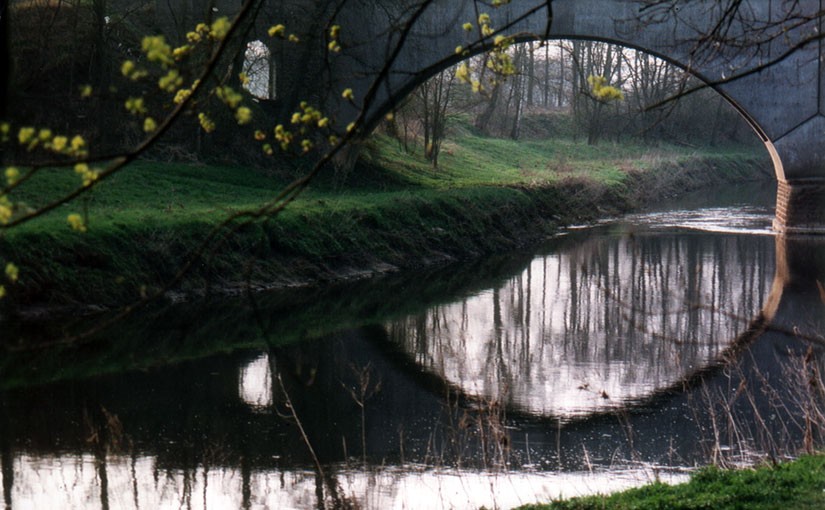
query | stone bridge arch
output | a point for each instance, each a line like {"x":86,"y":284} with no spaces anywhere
{"x":773,"y":76}
{"x":774,"y":83}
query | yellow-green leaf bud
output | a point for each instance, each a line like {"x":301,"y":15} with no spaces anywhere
{"x":76,"y":222}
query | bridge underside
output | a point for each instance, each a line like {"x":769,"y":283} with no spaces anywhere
{"x":773,"y":75}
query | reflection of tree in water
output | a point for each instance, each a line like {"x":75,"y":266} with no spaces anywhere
{"x":600,"y":323}
{"x":210,"y":430}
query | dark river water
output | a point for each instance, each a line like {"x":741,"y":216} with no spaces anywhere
{"x":615,"y":354}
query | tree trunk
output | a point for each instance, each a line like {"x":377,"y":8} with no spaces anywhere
{"x":482,"y":122}
{"x":531,"y":74}
{"x":562,"y":77}
{"x":5,"y":66}
{"x":546,"y":98}
{"x":518,"y":98}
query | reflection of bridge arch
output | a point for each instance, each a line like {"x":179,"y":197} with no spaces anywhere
{"x":600,"y":327}
{"x":197,"y":417}
{"x":795,"y":305}
{"x":792,"y":317}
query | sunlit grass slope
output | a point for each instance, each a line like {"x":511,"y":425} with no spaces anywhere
{"x":468,"y":159}
{"x":393,"y":209}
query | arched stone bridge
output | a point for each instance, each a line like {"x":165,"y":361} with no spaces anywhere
{"x":767,"y":61}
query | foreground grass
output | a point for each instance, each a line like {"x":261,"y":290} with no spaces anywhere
{"x":798,"y":485}
{"x":393,"y":210}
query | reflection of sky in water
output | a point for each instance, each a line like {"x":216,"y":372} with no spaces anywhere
{"x":255,"y":383}
{"x":601,"y":323}
{"x":749,"y":220}
{"x":598,"y":322}
{"x":138,"y":483}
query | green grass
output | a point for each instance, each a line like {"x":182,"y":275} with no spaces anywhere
{"x":471,"y":160}
{"x":798,"y":485}
{"x":152,"y":192}
{"x":167,"y":194}
{"x":487,"y":195}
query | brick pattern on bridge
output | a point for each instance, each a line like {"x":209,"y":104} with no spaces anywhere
{"x":800,"y":207}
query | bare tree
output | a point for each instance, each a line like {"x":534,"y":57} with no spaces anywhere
{"x":650,"y":81}
{"x":431,"y":102}
{"x":593,"y":59}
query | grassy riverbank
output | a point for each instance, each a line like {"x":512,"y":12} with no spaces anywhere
{"x":393,"y":211}
{"x":799,"y":485}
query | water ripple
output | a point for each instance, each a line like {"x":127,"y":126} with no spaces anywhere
{"x":748,"y":220}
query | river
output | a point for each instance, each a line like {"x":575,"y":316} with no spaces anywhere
{"x":614,"y":354}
